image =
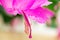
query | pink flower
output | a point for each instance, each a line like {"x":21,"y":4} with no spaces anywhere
{"x":28,"y":8}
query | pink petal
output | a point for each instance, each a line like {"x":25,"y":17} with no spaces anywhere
{"x":15,"y":6}
{"x":12,"y":6}
{"x":0,"y":3}
{"x":39,"y":14}
{"x":40,"y":3}
{"x":7,"y":5}
{"x":12,"y":11}
{"x":22,"y":4}
{"x":46,"y":3}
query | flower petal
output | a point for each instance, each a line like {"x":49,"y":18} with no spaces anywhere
{"x":0,"y":3}
{"x":15,"y":6}
{"x":39,"y":14}
{"x":23,"y":4}
{"x":7,"y":5}
{"x":46,"y":3}
{"x":40,"y":3}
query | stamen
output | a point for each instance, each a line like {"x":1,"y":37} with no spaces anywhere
{"x":27,"y":25}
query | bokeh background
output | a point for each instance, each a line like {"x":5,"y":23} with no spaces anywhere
{"x":46,"y":31}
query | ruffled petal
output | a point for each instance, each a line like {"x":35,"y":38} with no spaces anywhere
{"x":12,"y":11}
{"x":46,"y":3}
{"x":22,"y":4}
{"x":0,"y":3}
{"x":7,"y":5}
{"x":39,"y":14}
{"x":15,"y":6}
{"x":40,"y":3}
